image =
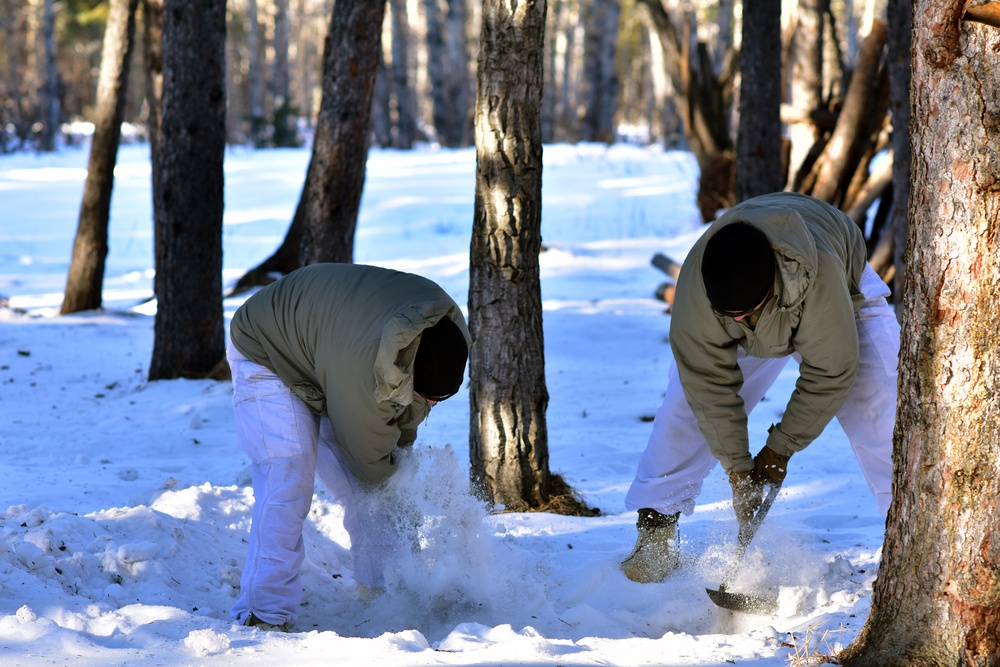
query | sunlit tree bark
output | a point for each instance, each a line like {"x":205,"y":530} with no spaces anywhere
{"x":936,"y":601}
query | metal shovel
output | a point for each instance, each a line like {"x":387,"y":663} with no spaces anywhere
{"x":741,"y":601}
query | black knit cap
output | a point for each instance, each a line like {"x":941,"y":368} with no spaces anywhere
{"x":439,"y":366}
{"x":737,"y":267}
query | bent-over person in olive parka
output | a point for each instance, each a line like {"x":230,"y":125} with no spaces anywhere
{"x":334,"y":366}
{"x":776,"y":276}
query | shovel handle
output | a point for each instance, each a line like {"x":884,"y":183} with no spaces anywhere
{"x":749,"y":529}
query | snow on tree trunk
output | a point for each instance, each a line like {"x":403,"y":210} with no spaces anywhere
{"x":937,"y":597}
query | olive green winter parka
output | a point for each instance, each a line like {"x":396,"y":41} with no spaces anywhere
{"x":343,"y":337}
{"x":820,"y":255}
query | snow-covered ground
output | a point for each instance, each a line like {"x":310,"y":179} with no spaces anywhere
{"x":125,"y":503}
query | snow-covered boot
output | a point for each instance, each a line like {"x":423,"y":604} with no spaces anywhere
{"x":656,"y":553}
{"x":254,"y":622}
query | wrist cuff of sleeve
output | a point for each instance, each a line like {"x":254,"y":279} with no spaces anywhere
{"x":778,"y":441}
{"x":744,"y":465}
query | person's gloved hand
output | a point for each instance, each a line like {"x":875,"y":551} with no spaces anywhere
{"x":770,"y":467}
{"x":747,"y":495}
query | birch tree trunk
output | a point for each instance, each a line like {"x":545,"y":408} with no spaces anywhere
{"x":937,"y":597}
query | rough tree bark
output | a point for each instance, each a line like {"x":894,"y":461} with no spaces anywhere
{"x":758,"y":142}
{"x":936,"y":601}
{"x":508,"y":439}
{"x":90,"y":247}
{"x":898,"y":59}
{"x":188,"y":331}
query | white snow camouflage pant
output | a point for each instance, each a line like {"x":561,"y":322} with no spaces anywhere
{"x":289,"y":445}
{"x":677,"y":458}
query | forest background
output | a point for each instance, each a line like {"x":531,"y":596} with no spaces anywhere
{"x":845,"y":98}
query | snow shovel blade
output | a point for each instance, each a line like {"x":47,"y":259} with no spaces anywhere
{"x":748,"y":604}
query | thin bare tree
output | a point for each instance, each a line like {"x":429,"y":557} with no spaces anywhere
{"x":85,"y":280}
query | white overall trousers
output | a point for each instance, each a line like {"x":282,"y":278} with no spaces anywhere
{"x":677,"y":458}
{"x":289,"y":445}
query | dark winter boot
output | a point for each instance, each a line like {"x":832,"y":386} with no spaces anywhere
{"x":656,"y":553}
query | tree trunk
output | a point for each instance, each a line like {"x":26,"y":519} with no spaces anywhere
{"x":281,"y":76}
{"x":12,"y":113}
{"x":188,"y":332}
{"x":381,"y":105}
{"x":254,"y":83}
{"x":600,"y":77}
{"x":406,"y":124}
{"x":51,"y":111}
{"x":458,"y":84}
{"x":90,"y":248}
{"x":508,"y":440}
{"x":704,"y":101}
{"x":936,"y":598}
{"x":447,"y":58}
{"x":758,"y":144}
{"x":835,"y":166}
{"x":805,"y":74}
{"x":898,"y":59}
{"x":152,"y":37}
{"x":336,"y":174}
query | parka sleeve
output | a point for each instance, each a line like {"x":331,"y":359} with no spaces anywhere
{"x":827,"y":341}
{"x":705,"y":357}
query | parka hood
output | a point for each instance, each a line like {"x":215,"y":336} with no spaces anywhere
{"x":794,"y":247}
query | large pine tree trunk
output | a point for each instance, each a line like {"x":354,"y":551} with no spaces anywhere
{"x":188,"y":332}
{"x":937,"y":597}
{"x":90,"y":248}
{"x":508,"y":398}
{"x":336,"y":174}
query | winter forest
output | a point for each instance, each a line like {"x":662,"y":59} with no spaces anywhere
{"x":888,"y":110}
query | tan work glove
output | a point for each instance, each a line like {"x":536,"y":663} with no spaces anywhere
{"x":769,"y":467}
{"x":747,"y":495}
